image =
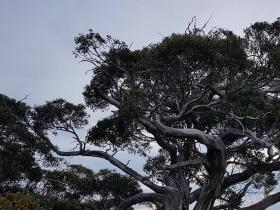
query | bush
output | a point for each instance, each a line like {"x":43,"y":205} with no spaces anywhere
{"x":19,"y":201}
{"x":51,"y":203}
{"x":23,"y":201}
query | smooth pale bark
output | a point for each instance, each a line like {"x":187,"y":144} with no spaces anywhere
{"x":211,"y":189}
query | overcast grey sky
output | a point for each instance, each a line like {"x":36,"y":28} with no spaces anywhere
{"x":36,"y":37}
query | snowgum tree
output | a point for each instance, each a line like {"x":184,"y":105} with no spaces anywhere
{"x":210,"y":101}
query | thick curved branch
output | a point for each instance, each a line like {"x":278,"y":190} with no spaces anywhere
{"x":263,"y":142}
{"x":216,"y":168}
{"x":242,"y":176}
{"x":140,"y":198}
{"x":110,"y":158}
{"x":250,"y":171}
{"x":208,"y":140}
{"x":232,"y":135}
{"x":108,"y":98}
{"x":157,"y":126}
{"x":265,"y":203}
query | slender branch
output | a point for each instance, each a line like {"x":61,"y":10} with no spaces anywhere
{"x":185,"y":112}
{"x":185,"y":163}
{"x":105,"y":156}
{"x":250,"y":171}
{"x":184,"y":108}
{"x":235,"y":200}
{"x":243,"y":191}
{"x":265,"y":203}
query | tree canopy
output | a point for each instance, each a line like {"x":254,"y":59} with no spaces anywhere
{"x":28,"y":182}
{"x":208,"y":100}
{"x":19,"y":146}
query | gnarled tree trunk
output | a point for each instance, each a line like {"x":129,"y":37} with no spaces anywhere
{"x":216,"y":168}
{"x":180,"y":197}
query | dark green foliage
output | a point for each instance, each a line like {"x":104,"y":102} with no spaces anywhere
{"x":153,"y":167}
{"x":113,"y":130}
{"x":19,"y":146}
{"x":102,"y":190}
{"x":60,"y":114}
{"x":217,"y":90}
{"x":118,"y":134}
{"x":66,"y":189}
{"x":268,"y":181}
{"x":52,"y":203}
{"x":235,"y":78}
{"x":114,"y":187}
{"x":180,"y":60}
{"x":133,"y":104}
{"x":74,"y":183}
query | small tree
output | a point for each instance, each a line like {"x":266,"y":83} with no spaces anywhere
{"x":19,"y":148}
{"x":20,"y":170}
{"x":103,"y":190}
{"x":208,"y":100}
